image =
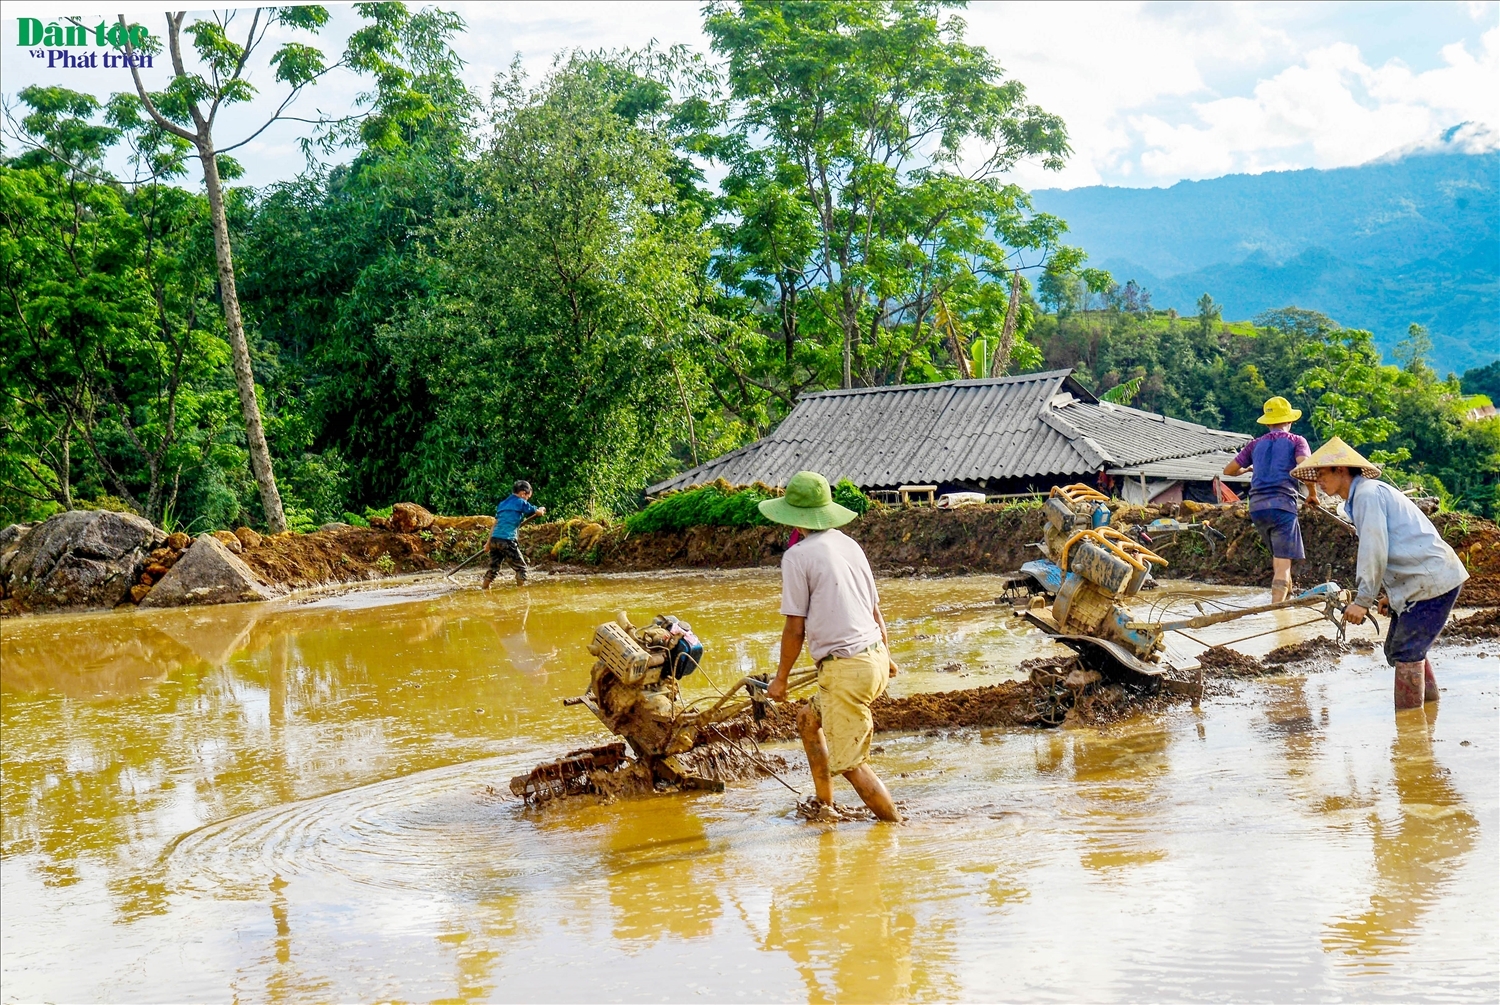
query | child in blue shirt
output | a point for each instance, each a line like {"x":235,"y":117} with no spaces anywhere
{"x":509,"y":515}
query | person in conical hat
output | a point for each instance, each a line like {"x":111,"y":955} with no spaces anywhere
{"x":1274,"y":493}
{"x":1400,"y":552}
{"x":829,"y":600}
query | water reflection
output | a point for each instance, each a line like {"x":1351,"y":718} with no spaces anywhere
{"x":1416,"y":854}
{"x":664,"y":874}
{"x":1119,"y":778}
{"x":846,"y":941}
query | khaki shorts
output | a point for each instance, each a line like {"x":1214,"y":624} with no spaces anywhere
{"x":846,"y":686}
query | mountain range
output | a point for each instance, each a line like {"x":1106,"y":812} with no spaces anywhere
{"x":1378,"y":246}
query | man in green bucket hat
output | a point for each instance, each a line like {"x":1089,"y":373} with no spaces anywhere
{"x":829,"y":599}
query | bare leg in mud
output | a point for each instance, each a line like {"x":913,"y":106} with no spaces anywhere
{"x":868,"y":784}
{"x":1281,"y":579}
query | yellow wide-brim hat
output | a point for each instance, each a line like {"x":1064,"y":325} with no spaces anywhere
{"x":1334,"y":454}
{"x":1277,"y":411}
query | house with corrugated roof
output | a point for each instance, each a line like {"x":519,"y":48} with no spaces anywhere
{"x":1005,"y":435}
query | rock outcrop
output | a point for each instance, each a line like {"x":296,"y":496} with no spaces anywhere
{"x":408,"y":518}
{"x":10,"y":543}
{"x":207,"y":573}
{"x":79,"y":560}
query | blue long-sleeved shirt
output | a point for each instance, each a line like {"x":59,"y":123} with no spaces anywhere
{"x":508,"y":516}
{"x":1399,"y":548}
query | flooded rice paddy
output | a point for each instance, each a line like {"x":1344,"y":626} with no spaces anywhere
{"x":307,"y":800}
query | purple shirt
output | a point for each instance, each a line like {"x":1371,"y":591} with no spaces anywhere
{"x":1271,"y":459}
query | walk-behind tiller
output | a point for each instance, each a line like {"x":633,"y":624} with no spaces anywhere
{"x":1101,"y":569}
{"x":633,"y":690}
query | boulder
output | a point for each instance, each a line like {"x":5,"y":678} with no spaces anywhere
{"x":81,"y":559}
{"x":207,"y":573}
{"x":228,"y":540}
{"x":178,"y":541}
{"x":10,"y":543}
{"x":335,"y":525}
{"x":408,"y":518}
{"x":248,"y":538}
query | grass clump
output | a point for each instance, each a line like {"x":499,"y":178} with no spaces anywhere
{"x":718,"y":504}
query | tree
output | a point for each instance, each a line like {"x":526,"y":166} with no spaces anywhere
{"x":564,"y":306}
{"x":1413,"y":351}
{"x":1353,"y":393}
{"x":188,"y":108}
{"x":329,"y":258}
{"x":108,"y":338}
{"x":851,"y":126}
{"x":1209,"y":315}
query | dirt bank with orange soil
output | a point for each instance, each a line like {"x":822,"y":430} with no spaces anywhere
{"x":356,"y":554}
{"x":916,"y":541}
{"x":995,"y":539}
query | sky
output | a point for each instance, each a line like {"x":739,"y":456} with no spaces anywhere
{"x":1152,"y":93}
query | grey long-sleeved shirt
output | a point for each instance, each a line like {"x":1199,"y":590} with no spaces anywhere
{"x":1399,"y":548}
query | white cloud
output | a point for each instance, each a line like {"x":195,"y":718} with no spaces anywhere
{"x":1151,"y":92}
{"x":1330,"y":110}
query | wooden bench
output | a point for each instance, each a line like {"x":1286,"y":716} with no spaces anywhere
{"x":908,"y":492}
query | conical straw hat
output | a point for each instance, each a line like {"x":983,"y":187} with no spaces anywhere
{"x":1334,"y":454}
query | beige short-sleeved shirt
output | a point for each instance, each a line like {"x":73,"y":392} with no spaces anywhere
{"x":826,"y":579}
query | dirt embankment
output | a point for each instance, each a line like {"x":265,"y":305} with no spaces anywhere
{"x":990,"y":539}
{"x":914,"y":541}
{"x":354,"y":554}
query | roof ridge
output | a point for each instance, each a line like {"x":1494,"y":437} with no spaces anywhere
{"x":968,"y":382}
{"x":1158,"y":417}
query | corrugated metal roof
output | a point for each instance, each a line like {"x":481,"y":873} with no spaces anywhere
{"x":1131,"y":436}
{"x":1198,"y":468}
{"x":1033,"y":426}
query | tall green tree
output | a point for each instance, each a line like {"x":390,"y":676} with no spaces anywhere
{"x":862,"y":189}
{"x":188,"y":108}
{"x":554,"y":346}
{"x":329,"y":258}
{"x":112,"y":337}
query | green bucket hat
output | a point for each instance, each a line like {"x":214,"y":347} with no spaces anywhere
{"x":808,"y":504}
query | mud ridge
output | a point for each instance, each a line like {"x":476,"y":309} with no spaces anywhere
{"x":921,"y":541}
{"x":1483,"y":625}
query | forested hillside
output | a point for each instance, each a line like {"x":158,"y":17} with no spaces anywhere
{"x":1415,"y":240}
{"x":544,"y":284}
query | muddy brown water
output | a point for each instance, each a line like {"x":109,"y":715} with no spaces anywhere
{"x":307,"y":800}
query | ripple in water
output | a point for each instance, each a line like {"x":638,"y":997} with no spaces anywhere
{"x":443,"y":830}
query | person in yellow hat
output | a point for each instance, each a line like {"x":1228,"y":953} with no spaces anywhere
{"x":1400,"y":552}
{"x":829,"y":599}
{"x":1274,"y":493}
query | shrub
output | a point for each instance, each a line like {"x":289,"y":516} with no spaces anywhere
{"x":355,"y":520}
{"x":716,"y":505}
{"x":385,"y":514}
{"x":299,"y":520}
{"x":848,"y":495}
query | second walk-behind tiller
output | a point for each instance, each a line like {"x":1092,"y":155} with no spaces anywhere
{"x":1101,"y":570}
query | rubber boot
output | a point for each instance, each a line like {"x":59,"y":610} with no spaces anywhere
{"x":1280,"y":590}
{"x":489,"y":577}
{"x":1429,"y":682}
{"x":1409,"y":685}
